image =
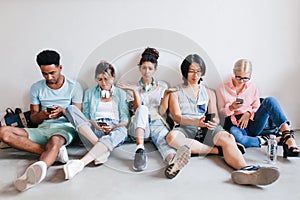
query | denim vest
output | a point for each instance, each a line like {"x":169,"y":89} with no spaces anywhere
{"x":92,"y":98}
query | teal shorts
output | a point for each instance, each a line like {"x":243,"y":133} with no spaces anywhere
{"x":43,"y":132}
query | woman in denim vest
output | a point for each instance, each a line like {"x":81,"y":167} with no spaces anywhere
{"x":102,"y":125}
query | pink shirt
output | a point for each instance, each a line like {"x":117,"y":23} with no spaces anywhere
{"x":226,"y":95}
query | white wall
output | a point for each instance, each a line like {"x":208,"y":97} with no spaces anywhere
{"x":265,"y":31}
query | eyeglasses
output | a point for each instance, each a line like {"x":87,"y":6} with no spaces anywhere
{"x":101,"y":79}
{"x":239,"y":78}
{"x":194,"y":72}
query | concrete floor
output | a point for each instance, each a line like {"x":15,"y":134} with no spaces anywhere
{"x":203,"y":177}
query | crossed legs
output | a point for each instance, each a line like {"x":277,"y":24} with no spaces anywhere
{"x":35,"y":173}
{"x":18,"y":139}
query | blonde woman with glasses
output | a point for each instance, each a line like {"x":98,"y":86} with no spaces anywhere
{"x":238,"y":100}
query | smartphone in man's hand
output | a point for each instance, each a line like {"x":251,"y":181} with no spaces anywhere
{"x":50,"y":108}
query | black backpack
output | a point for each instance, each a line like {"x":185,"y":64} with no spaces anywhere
{"x":17,"y":118}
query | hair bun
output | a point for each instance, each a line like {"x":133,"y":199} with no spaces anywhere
{"x":151,"y":52}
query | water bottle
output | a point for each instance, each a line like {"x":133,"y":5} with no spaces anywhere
{"x":272,"y":149}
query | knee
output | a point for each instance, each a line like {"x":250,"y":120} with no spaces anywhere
{"x":5,"y":134}
{"x":269,"y":101}
{"x":142,"y":109}
{"x":1,"y":132}
{"x":55,"y":142}
{"x":170,"y":137}
{"x":71,"y":109}
{"x":224,"y":137}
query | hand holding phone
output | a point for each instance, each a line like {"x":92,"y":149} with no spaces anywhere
{"x":239,"y":100}
{"x":50,"y":108}
{"x":209,"y":117}
{"x":101,"y":124}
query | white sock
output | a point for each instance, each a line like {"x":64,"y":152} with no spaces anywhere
{"x":139,"y":146}
{"x":98,"y":150}
{"x":88,"y":133}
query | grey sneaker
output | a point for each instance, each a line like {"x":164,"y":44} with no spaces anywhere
{"x":140,"y":160}
{"x":181,"y":158}
{"x":255,"y":175}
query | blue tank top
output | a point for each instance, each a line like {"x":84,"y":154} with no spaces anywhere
{"x":193,"y":107}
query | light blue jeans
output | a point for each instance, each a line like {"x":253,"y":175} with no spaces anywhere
{"x":268,"y":108}
{"x":155,"y":130}
{"x":115,"y":138}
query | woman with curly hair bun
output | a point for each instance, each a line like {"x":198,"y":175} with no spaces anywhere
{"x":150,"y":102}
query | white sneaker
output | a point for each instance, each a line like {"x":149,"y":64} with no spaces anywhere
{"x":102,"y":159}
{"x":72,"y":168}
{"x":62,"y":155}
{"x":33,"y":175}
{"x":4,"y":145}
{"x":181,"y":158}
{"x":255,"y":175}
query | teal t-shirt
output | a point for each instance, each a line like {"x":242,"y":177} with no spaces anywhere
{"x":41,"y":94}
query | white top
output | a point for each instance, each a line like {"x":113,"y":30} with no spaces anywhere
{"x":152,"y":98}
{"x":105,"y":110}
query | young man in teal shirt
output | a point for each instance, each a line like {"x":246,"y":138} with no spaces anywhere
{"x":54,"y":132}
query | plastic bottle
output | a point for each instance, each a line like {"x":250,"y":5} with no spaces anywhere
{"x":272,"y":149}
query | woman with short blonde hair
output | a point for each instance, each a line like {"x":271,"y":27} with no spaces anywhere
{"x":246,"y":117}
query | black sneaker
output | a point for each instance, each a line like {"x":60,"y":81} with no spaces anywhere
{"x":140,"y":160}
{"x":181,"y":158}
{"x":255,"y":175}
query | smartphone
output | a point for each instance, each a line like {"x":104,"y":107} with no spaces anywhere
{"x":102,"y":124}
{"x":50,"y":108}
{"x":239,"y":100}
{"x":209,"y":117}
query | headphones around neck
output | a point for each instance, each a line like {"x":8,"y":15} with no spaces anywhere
{"x":146,"y":87}
{"x":105,"y":94}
